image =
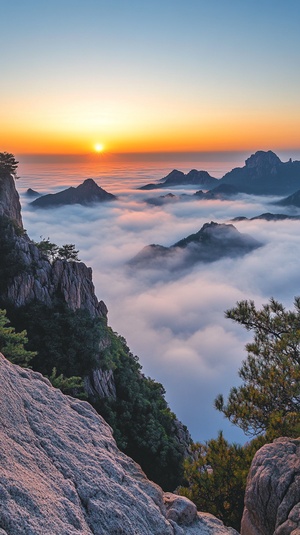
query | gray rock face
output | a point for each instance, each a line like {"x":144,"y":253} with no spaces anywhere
{"x":61,"y":472}
{"x":41,"y":280}
{"x":9,"y":199}
{"x":272,"y":500}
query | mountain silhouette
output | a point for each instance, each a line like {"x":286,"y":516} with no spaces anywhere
{"x":178,"y":178}
{"x":86,"y":193}
{"x":265,"y":174}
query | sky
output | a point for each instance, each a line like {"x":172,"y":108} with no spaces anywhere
{"x":173,"y":321}
{"x":137,"y":76}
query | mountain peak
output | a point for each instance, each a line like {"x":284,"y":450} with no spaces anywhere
{"x":263,"y":159}
{"x":86,"y":193}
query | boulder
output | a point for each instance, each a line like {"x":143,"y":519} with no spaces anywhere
{"x":272,"y":499}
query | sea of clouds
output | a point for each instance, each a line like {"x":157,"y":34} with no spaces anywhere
{"x":174,"y":320}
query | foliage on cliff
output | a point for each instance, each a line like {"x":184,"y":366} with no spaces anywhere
{"x":65,"y":339}
{"x":11,"y":263}
{"x":141,"y":419}
{"x":268,"y":401}
{"x":54,"y":252}
{"x":12,"y":343}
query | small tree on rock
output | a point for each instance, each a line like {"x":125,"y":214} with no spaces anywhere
{"x":8,"y":164}
{"x":53,"y":252}
{"x":49,"y":249}
{"x":68,"y":252}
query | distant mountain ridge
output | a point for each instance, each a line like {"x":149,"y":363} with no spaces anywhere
{"x":86,"y":193}
{"x":211,"y":243}
{"x":267,"y":216}
{"x":178,"y":178}
{"x":263,"y":174}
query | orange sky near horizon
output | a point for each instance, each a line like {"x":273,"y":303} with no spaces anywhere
{"x":237,"y":132}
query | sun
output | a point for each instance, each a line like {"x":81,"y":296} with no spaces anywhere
{"x":99,"y":147}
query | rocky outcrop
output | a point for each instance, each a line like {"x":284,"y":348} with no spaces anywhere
{"x":86,"y":193}
{"x":61,"y":472}
{"x":42,"y":280}
{"x":9,"y":199}
{"x":272,"y":500}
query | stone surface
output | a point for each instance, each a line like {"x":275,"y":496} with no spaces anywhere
{"x":272,"y":500}
{"x":61,"y":472}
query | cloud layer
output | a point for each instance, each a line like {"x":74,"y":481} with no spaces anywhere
{"x":175,"y":322}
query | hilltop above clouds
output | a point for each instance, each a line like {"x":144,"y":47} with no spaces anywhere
{"x":212,"y":242}
{"x":86,"y":193}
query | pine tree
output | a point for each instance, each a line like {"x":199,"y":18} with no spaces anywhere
{"x":269,"y":398}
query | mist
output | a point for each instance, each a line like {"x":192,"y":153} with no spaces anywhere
{"x":174,"y":320}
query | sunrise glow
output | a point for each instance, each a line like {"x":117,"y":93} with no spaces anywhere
{"x":99,"y":147}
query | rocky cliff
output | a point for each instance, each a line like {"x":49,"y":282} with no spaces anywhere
{"x":38,"y":278}
{"x":35,"y":278}
{"x":272,"y":500}
{"x":61,"y":472}
{"x":42,"y":280}
{"x":9,"y":199}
